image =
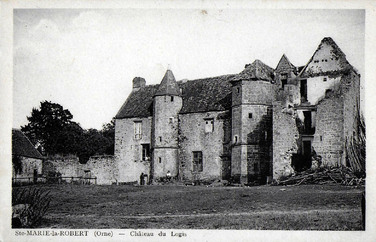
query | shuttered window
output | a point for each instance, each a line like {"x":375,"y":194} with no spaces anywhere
{"x":137,"y":129}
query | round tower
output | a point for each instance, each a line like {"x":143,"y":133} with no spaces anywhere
{"x":167,"y":102}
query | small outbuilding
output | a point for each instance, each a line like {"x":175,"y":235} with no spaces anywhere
{"x":26,"y":159}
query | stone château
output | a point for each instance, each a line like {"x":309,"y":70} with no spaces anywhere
{"x":259,"y":124}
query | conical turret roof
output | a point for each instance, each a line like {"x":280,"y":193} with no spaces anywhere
{"x":168,"y":85}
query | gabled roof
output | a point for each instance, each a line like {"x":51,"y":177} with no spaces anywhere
{"x":139,"y":103}
{"x":22,"y":146}
{"x":256,"y":71}
{"x":201,"y":95}
{"x":168,"y":85}
{"x":328,"y":59}
{"x":209,"y":94}
{"x":284,"y":63}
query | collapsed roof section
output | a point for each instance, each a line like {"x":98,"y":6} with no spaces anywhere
{"x":328,"y":59}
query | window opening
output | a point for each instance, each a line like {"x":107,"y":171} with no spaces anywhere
{"x":145,"y":152}
{"x":303,"y":90}
{"x":284,"y":82}
{"x":137,"y":129}
{"x":209,"y":125}
{"x":197,"y":161}
{"x":249,"y":115}
{"x":172,"y":98}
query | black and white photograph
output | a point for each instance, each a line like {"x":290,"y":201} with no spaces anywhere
{"x":158,"y":122}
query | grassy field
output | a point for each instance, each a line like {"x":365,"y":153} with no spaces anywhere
{"x":308,"y":207}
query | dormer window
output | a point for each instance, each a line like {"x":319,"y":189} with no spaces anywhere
{"x":284,"y":77}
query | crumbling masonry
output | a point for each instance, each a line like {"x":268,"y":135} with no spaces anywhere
{"x":260,"y":124}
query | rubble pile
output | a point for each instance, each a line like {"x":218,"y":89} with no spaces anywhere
{"x":337,"y":175}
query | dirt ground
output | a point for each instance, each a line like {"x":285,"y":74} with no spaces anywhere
{"x":305,"y":207}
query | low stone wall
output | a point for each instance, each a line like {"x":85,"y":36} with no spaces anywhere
{"x":28,"y":166}
{"x":104,"y":168}
{"x":67,"y":166}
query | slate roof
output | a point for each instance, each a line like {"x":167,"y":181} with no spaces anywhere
{"x":322,"y":63}
{"x":168,"y":85}
{"x":284,"y":60}
{"x":22,"y":146}
{"x":256,"y":71}
{"x":201,"y":95}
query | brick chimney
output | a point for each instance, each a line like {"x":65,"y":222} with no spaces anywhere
{"x":138,"y":82}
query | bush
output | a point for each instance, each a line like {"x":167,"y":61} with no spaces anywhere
{"x":29,"y":205}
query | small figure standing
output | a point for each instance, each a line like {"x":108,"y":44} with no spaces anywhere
{"x":142,"y":181}
{"x":168,"y":176}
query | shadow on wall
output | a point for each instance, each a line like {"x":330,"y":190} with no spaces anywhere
{"x":259,"y":150}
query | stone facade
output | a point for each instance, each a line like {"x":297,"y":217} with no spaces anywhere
{"x":130,"y":136}
{"x":30,"y":167}
{"x":27,"y":161}
{"x":247,"y":127}
{"x":203,"y":132}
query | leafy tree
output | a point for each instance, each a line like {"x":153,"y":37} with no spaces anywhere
{"x":46,"y":125}
{"x":51,"y":127}
{"x":108,"y":131}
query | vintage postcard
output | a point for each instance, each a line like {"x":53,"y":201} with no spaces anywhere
{"x":187,"y":121}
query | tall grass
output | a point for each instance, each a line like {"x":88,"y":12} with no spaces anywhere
{"x":32,"y":204}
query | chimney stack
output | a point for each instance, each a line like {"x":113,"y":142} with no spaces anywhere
{"x":138,"y":82}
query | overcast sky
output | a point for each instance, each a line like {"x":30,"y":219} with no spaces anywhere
{"x":85,"y":60}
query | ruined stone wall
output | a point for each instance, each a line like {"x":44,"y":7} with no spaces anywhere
{"x":292,"y":94}
{"x":328,"y":140}
{"x":317,"y":86}
{"x":28,"y":166}
{"x":285,"y":136}
{"x":192,"y":137}
{"x":351,"y":108}
{"x":67,"y":166}
{"x":128,"y":149}
{"x":104,"y":168}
